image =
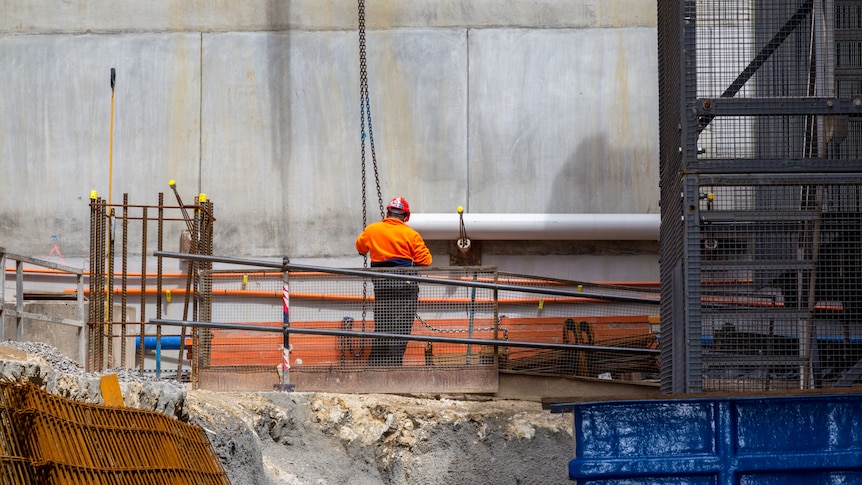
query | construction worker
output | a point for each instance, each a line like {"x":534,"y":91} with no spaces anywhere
{"x":391,"y":243}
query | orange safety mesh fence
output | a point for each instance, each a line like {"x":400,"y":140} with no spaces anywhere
{"x":606,"y":318}
{"x":48,"y":439}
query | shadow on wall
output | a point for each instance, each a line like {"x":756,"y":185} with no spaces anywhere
{"x":600,"y":178}
{"x":278,"y":84}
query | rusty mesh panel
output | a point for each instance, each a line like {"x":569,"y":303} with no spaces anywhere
{"x":48,"y":439}
{"x":15,"y":467}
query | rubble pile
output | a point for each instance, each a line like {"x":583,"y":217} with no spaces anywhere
{"x":45,"y":366}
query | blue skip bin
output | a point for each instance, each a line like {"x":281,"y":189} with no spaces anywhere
{"x":810,"y":439}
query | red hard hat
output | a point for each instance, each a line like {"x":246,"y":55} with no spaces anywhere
{"x":399,"y":203}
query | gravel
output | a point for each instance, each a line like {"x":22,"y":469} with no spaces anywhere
{"x":60,"y":375}
{"x":50,"y":354}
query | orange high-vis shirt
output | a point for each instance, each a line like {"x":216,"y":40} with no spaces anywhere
{"x":393,"y":239}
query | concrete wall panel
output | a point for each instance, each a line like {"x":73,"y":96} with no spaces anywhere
{"x":282,"y":136}
{"x":563,"y":121}
{"x":55,"y":129}
{"x":518,"y":106}
{"x":44,"y":16}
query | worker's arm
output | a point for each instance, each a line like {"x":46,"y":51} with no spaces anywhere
{"x":362,"y":243}
{"x":421,"y":254}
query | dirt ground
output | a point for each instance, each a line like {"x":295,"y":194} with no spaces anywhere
{"x":301,"y":438}
{"x":316,"y":438}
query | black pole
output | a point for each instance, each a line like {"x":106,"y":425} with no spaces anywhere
{"x":396,"y":276}
{"x":397,"y":336}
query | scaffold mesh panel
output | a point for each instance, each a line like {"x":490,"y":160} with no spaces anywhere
{"x":752,"y":49}
{"x":761,"y":142}
{"x":781,"y":286}
{"x":780,"y":137}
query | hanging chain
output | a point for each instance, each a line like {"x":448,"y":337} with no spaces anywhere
{"x":461,"y":330}
{"x":365,"y":107}
{"x":363,"y":88}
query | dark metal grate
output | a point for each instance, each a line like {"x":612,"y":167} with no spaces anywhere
{"x":781,"y":285}
{"x":673,"y":130}
{"x":761,"y":194}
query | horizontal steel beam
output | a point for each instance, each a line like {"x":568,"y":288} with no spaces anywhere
{"x":778,"y":106}
{"x":761,"y":169}
{"x":741,"y":218}
{"x":42,"y":262}
{"x":420,"y":279}
{"x":395,"y":336}
{"x":44,"y":318}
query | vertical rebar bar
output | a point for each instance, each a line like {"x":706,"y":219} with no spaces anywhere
{"x":92,"y":283}
{"x":142,"y":334}
{"x":19,"y":300}
{"x":79,"y":312}
{"x":2,"y":294}
{"x":109,"y":292}
{"x":159,"y":277}
{"x":191,"y":280}
{"x":124,"y":280}
{"x":97,"y":284}
{"x":201,"y":338}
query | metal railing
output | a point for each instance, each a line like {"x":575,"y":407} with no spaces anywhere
{"x":324,"y":320}
{"x":18,"y":312}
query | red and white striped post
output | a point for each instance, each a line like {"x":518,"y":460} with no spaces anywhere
{"x":285,"y":347}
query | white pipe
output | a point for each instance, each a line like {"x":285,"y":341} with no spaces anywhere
{"x":547,"y":227}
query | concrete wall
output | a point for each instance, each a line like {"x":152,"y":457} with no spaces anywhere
{"x":545,"y":106}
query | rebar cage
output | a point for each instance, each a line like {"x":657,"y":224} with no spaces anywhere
{"x":575,"y":328}
{"x":760,"y":148}
{"x":110,"y":335}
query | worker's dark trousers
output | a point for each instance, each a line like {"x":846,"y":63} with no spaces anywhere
{"x":395,"y":305}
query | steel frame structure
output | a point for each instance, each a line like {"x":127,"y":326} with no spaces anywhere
{"x":760,"y":102}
